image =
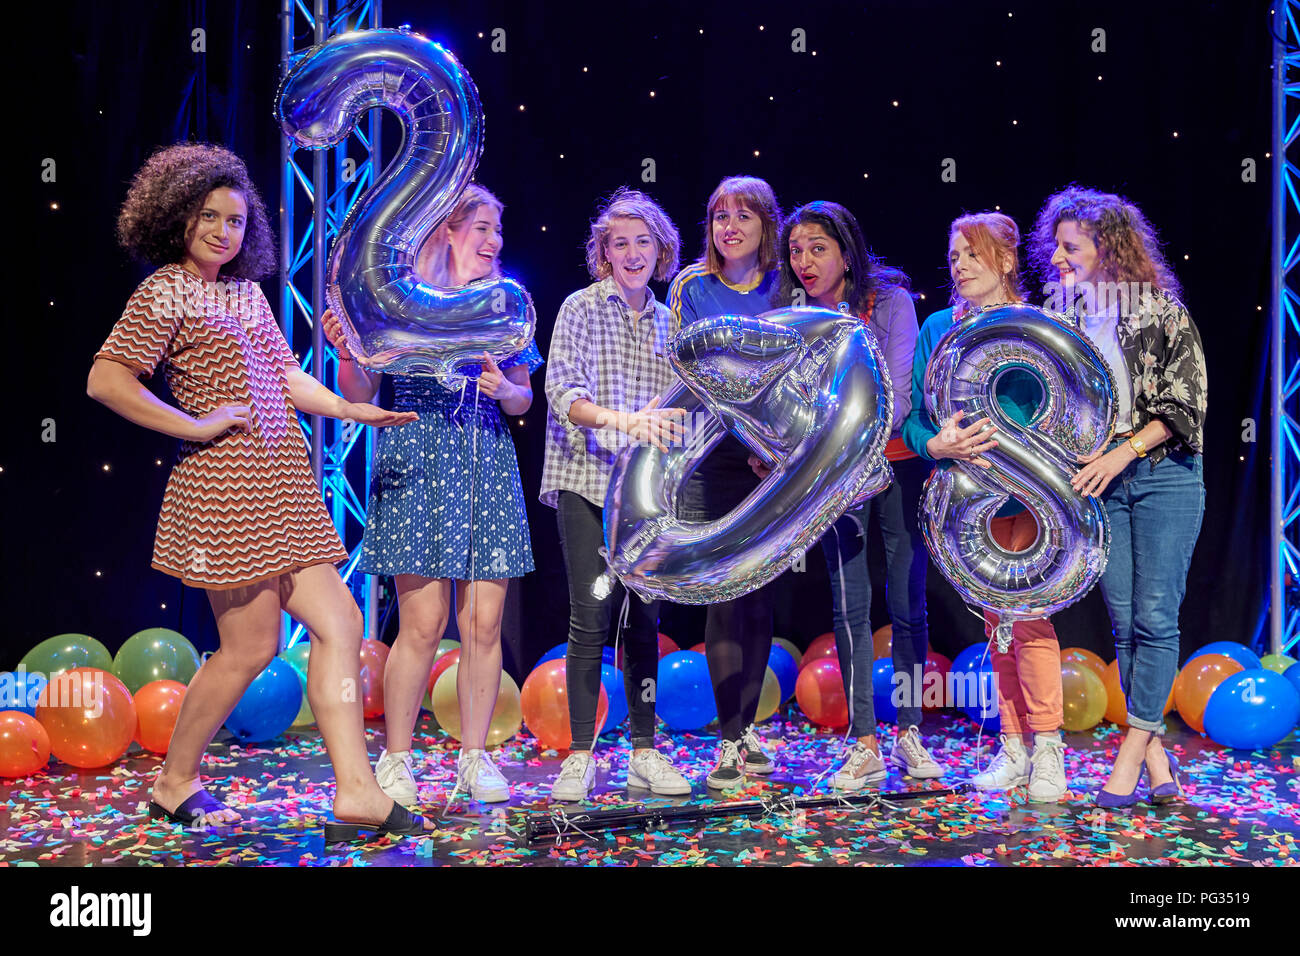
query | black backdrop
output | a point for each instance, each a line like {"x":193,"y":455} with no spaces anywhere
{"x":1010,"y":92}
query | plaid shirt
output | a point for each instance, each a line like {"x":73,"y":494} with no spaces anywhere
{"x":597,"y":353}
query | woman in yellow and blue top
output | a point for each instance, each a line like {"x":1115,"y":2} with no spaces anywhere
{"x":985,"y":270}
{"x":735,"y":276}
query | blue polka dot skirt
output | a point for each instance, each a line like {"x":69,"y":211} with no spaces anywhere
{"x":445,"y":496}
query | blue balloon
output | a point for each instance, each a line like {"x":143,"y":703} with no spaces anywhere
{"x":882,"y":690}
{"x":1252,"y":709}
{"x":612,"y":679}
{"x":1292,"y":674}
{"x":19,"y":690}
{"x":1240,"y":653}
{"x":607,"y":656}
{"x":270,"y":704}
{"x":556,"y":653}
{"x":685,"y":694}
{"x":973,"y":686}
{"x":785,"y":669}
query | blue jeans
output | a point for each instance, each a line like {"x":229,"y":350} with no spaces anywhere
{"x":906,"y":559}
{"x":1155,"y":518}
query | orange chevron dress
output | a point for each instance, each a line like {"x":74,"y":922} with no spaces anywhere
{"x":245,"y":506}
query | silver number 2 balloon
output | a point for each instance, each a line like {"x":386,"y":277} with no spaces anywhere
{"x":805,"y":390}
{"x":1034,"y":462}
{"x":388,"y":314}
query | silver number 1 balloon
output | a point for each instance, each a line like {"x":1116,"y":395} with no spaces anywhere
{"x":388,"y":314}
{"x":805,"y":390}
{"x":1034,"y":462}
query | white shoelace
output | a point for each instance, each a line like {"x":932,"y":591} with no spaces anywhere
{"x":575,"y":765}
{"x":655,"y":766}
{"x":728,"y":754}
{"x":1050,"y":765}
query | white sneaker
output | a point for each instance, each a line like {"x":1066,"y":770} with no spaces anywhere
{"x":909,"y":753}
{"x":395,"y":776}
{"x":1009,"y":768}
{"x":577,"y":774}
{"x":1047,"y":783}
{"x":862,"y":767}
{"x":756,"y":758}
{"x":478,"y":776}
{"x":652,"y":771}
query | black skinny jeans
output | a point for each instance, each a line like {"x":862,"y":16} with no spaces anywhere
{"x":581,"y":538}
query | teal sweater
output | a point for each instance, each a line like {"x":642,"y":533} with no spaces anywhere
{"x":1018,"y":393}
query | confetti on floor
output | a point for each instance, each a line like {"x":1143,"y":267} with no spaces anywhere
{"x":1242,"y":809}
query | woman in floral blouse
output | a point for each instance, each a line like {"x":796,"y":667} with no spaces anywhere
{"x":1100,"y":254}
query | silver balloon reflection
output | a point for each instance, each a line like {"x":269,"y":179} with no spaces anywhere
{"x":806,"y":390}
{"x":388,"y":314}
{"x":1034,"y":462}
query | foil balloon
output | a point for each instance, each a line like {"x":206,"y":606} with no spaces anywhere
{"x":1033,"y":462}
{"x":805,"y":389}
{"x":389,"y":315}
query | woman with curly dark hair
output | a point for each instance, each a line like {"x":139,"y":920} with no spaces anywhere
{"x":1100,"y":254}
{"x":241,"y":516}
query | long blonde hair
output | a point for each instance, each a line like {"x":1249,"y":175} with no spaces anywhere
{"x":433,"y":261}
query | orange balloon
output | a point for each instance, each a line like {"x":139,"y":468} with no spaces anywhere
{"x":820,"y":692}
{"x":374,"y":655}
{"x":440,"y":665}
{"x":24,"y":744}
{"x":882,"y":642}
{"x":1116,"y":703}
{"x":89,"y":716}
{"x":821,"y":647}
{"x":544,"y":699}
{"x":1196,"y":682}
{"x":157,"y":705}
{"x":1081,"y":655}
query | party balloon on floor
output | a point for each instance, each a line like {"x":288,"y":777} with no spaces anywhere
{"x":1252,"y":709}
{"x":155,"y":654}
{"x":1197,"y":682}
{"x":24,"y":744}
{"x":374,"y":658}
{"x":822,"y":646}
{"x":769,"y":697}
{"x":685,"y":694}
{"x":157,"y":705}
{"x":269,"y":706}
{"x":1240,"y":653}
{"x":611,"y":678}
{"x":89,"y":716}
{"x":786,"y":669}
{"x":64,"y":652}
{"x":507,"y":714}
{"x":544,"y":703}
{"x":1083,"y":696}
{"x":299,"y":657}
{"x":20,"y":690}
{"x":1081,"y":655}
{"x":882,"y":641}
{"x":820,"y":693}
{"x":882,"y":689}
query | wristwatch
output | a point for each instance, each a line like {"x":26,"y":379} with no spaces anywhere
{"x":1138,"y":446}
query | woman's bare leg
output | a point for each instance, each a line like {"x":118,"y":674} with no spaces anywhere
{"x":479,"y":605}
{"x":318,"y":598}
{"x":248,"y":622}
{"x":422,"y":608}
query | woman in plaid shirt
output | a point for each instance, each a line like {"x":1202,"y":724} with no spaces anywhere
{"x":608,"y":369}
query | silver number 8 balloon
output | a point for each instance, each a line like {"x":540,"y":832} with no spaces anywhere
{"x":1034,"y":462}
{"x":805,"y":390}
{"x":388,"y":315}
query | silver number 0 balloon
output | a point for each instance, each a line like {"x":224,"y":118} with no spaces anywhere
{"x":805,"y":390}
{"x":1034,"y":462}
{"x":388,"y":314}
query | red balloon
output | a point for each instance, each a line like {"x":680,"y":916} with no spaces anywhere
{"x":821,"y":647}
{"x":440,"y":665}
{"x":820,"y":692}
{"x":935,"y":663}
{"x":24,"y":744}
{"x":157,"y":705}
{"x":89,"y":716}
{"x":374,"y":655}
{"x":544,"y":699}
{"x":698,"y":648}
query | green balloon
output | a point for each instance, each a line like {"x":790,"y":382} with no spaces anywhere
{"x":1277,"y":663}
{"x":64,"y":652}
{"x":155,"y":654}
{"x":297,"y":656}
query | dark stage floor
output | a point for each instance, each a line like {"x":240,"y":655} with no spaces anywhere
{"x":1242,"y":809}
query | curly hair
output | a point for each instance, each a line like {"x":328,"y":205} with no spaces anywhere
{"x":433,"y":261}
{"x":993,"y":236}
{"x":864,"y":274}
{"x":633,"y":204}
{"x":757,"y":196}
{"x":1127,"y":245}
{"x":166,"y":196}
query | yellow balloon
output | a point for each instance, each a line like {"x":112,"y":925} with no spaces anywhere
{"x":794,"y":651}
{"x":769,"y":698}
{"x":507,"y":716}
{"x":1083,"y":696}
